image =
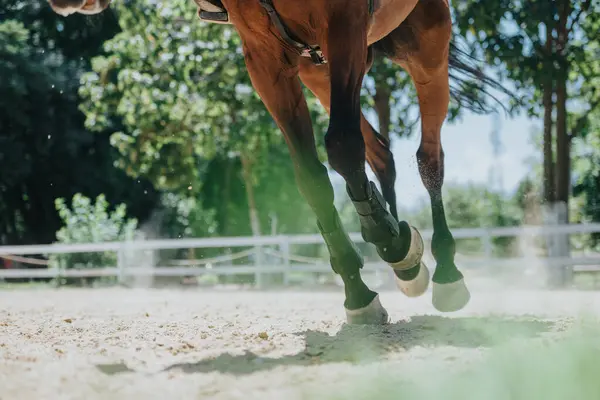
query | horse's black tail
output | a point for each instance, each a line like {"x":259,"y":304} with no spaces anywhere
{"x":470,"y":87}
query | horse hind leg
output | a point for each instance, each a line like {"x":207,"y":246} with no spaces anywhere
{"x":425,"y":58}
{"x":379,"y":156}
{"x":381,"y":160}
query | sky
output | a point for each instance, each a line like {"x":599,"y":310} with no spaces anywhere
{"x":468,"y":155}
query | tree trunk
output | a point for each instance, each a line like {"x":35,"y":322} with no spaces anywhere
{"x":562,"y":146}
{"x":259,"y":279}
{"x":247,"y":174}
{"x":12,"y":231}
{"x":563,"y":181}
{"x":382,"y":107}
{"x":225,"y":196}
{"x":561,"y":244}
{"x":548,"y":90}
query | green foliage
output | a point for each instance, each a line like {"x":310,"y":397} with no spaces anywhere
{"x":473,"y":206}
{"x":587,"y":176}
{"x":45,"y":152}
{"x":221,"y":208}
{"x":174,"y":92}
{"x":87,"y":222}
{"x":175,"y":95}
{"x":30,"y":77}
{"x":586,"y":127}
{"x":169,"y":102}
{"x":468,"y":206}
{"x":186,"y":217}
{"x":538,"y":44}
{"x":511,"y":35}
{"x":389,"y":78}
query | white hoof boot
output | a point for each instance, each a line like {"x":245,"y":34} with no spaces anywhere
{"x":372,"y":314}
{"x":420,"y":283}
{"x":448,"y":297}
{"x":417,"y":286}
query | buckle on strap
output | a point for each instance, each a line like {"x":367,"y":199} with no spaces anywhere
{"x":315,"y":54}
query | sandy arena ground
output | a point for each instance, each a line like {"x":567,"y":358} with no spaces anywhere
{"x":200,"y":343}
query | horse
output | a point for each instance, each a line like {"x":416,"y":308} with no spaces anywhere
{"x":328,"y":45}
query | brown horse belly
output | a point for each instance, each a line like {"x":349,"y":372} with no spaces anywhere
{"x":388,"y":16}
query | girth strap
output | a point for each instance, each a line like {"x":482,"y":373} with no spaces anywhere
{"x":314,"y":51}
{"x":213,"y":11}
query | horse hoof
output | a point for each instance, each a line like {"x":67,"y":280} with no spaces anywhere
{"x":417,"y":286}
{"x":449,"y":297}
{"x":372,"y":314}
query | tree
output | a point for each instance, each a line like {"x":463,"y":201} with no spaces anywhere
{"x":45,"y":151}
{"x":87,"y":222}
{"x":175,"y":94}
{"x":587,"y":175}
{"x":542,"y":48}
{"x":473,"y":206}
{"x":91,"y":222}
{"x":389,"y":92}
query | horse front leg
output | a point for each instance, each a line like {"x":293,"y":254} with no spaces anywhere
{"x":399,"y":244}
{"x":279,"y":88}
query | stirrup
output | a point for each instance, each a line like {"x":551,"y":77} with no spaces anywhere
{"x":212,"y":11}
{"x":214,"y":17}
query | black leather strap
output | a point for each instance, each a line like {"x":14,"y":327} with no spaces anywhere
{"x":285,"y":35}
{"x":213,"y":11}
{"x":314,"y":52}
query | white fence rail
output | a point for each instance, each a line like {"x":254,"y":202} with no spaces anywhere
{"x":289,"y":263}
